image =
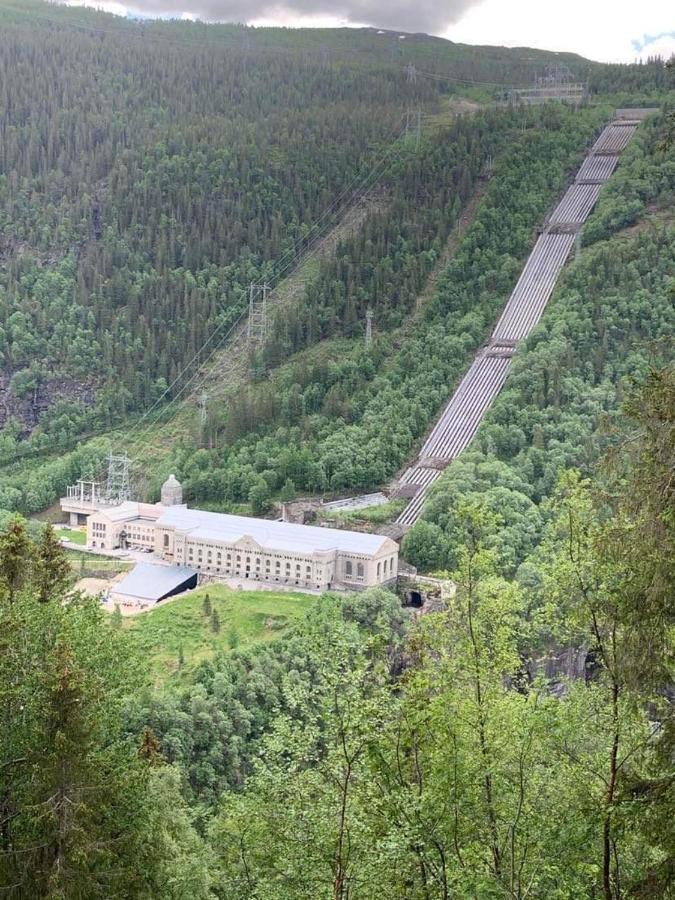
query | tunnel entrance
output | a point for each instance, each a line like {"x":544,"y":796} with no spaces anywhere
{"x":415,"y":599}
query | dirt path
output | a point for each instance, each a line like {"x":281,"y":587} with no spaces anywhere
{"x":231,"y":365}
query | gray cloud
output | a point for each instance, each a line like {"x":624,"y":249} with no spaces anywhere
{"x":407,"y":15}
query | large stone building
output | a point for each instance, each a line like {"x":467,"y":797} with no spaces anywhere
{"x":238,"y":547}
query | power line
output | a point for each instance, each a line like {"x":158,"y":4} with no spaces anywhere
{"x":374,"y":172}
{"x":196,"y":375}
{"x":292,"y":256}
{"x":470,"y":81}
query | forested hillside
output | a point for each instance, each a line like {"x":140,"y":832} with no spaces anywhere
{"x":367,"y":754}
{"x":611,"y":318}
{"x":515,"y":744}
{"x":136,"y":206}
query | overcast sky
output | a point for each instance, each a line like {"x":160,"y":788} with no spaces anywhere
{"x":609,"y":30}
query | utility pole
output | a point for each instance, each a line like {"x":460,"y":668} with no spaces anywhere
{"x":203,"y":399}
{"x":369,"y":327}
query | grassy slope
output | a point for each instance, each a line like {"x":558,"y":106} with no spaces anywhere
{"x":246,"y":618}
{"x":72,"y":535}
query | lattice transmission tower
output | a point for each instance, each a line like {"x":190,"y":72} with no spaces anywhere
{"x":118,"y":483}
{"x":369,"y":327}
{"x":256,"y":329}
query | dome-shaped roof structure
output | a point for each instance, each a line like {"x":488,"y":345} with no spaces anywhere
{"x":172,"y":492}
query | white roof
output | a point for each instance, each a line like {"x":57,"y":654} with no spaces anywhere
{"x":126,"y":510}
{"x":130,"y":509}
{"x":153,"y":582}
{"x":268,"y":534}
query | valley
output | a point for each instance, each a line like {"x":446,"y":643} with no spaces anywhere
{"x":337,"y":442}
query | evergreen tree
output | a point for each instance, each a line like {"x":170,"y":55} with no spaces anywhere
{"x":206,"y":605}
{"x":80,"y":813}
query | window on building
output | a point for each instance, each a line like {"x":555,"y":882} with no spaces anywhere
{"x":348,"y":568}
{"x":166,"y":540}
{"x":384,"y":567}
{"x":359,"y":570}
{"x":379,"y":569}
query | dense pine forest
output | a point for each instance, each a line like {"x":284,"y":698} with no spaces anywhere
{"x":518,"y":740}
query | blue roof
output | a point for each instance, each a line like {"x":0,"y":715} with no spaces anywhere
{"x":153,"y":582}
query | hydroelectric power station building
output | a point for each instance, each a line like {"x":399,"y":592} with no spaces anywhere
{"x":238,"y":547}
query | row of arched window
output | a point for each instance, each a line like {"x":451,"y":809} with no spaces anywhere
{"x":349,"y":569}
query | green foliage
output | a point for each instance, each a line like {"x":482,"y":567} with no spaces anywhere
{"x":186,"y":622}
{"x":212,"y":727}
{"x":468,"y":776}
{"x":139,"y":204}
{"x":362,"y":754}
{"x":646,"y":176}
{"x":610,"y":318}
{"x":82,"y":815}
{"x":349,"y":423}
{"x":366,"y":755}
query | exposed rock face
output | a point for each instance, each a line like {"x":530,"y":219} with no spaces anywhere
{"x":300,"y":512}
{"x":560,"y":665}
{"x":29,"y":409}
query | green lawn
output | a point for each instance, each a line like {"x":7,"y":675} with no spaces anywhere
{"x":94,"y":565}
{"x":75,"y":536}
{"x":246,"y":618}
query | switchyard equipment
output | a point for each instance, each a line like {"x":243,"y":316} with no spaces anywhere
{"x":557,"y":84}
{"x":461,"y":418}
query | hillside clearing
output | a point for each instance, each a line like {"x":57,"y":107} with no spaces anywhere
{"x":184,"y":628}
